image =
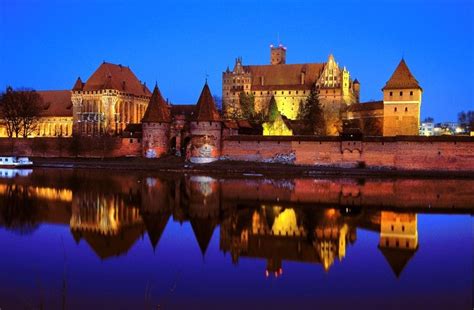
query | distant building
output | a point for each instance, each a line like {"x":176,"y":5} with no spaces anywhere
{"x":427,"y":129}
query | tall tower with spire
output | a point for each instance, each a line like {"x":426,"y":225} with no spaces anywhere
{"x":206,"y":130}
{"x":156,"y":126}
{"x":402,"y":103}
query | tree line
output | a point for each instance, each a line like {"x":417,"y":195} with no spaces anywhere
{"x":20,"y":110}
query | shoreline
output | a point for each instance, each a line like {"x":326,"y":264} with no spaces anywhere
{"x":171,"y":164}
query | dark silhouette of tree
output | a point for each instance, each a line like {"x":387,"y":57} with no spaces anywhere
{"x":273,"y":112}
{"x":312,"y":111}
{"x":466,"y":120}
{"x":428,"y":119}
{"x":247,"y":105}
{"x":20,"y":110}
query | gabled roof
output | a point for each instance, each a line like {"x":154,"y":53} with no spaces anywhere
{"x":402,"y":78}
{"x":118,"y":77}
{"x":56,"y":103}
{"x":157,"y":110}
{"x":187,"y":110}
{"x":284,"y":76}
{"x":206,"y":108}
{"x":365,"y":106}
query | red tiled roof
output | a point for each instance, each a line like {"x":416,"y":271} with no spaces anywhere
{"x":57,"y":103}
{"x":157,"y":110}
{"x":402,"y":78}
{"x":78,"y":85}
{"x":206,"y":108}
{"x":183,"y":109}
{"x":284,"y":75}
{"x":118,"y":77}
{"x":365,"y":106}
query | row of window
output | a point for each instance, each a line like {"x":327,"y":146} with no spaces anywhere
{"x":395,"y":109}
{"x":401,"y":93}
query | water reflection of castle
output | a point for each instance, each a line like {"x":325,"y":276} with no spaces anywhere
{"x":111,"y":218}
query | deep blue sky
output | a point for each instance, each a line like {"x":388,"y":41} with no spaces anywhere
{"x":48,"y":44}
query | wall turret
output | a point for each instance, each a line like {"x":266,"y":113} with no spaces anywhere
{"x":156,"y":126}
{"x":402,"y":103}
{"x":205,"y":129}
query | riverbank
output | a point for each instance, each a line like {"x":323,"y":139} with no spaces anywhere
{"x":243,"y":168}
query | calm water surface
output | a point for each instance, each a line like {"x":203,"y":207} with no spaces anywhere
{"x":85,"y":239}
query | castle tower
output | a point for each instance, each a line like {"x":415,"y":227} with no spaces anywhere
{"x":402,"y":103}
{"x":233,"y":83}
{"x":205,"y":130}
{"x":398,"y":238}
{"x":356,"y":89}
{"x":277,"y":55}
{"x":156,"y":126}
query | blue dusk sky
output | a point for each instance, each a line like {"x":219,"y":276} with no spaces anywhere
{"x":47,"y":44}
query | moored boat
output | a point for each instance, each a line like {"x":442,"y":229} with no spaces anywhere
{"x":15,"y":162}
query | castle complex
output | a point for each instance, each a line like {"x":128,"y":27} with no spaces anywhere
{"x":290,"y":85}
{"x":114,"y":102}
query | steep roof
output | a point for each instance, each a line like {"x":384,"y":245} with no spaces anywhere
{"x":284,"y":76}
{"x":402,"y":78}
{"x":155,"y":224}
{"x":397,"y":258}
{"x":79,"y":85}
{"x":206,"y":108}
{"x":157,"y":110}
{"x":57,"y":103}
{"x":203,"y":229}
{"x":118,"y":77}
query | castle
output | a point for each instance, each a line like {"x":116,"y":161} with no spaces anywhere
{"x":114,"y":102}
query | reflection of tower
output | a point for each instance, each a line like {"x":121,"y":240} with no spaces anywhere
{"x":330,"y":238}
{"x":203,"y":208}
{"x":398,"y":238}
{"x":155,"y":208}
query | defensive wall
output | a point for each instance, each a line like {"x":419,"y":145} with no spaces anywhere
{"x":71,"y":147}
{"x":448,"y":153}
{"x":451,"y":153}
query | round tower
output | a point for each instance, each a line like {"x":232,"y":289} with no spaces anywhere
{"x":156,"y":126}
{"x":206,"y":131}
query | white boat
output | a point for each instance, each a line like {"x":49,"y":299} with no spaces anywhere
{"x":15,"y":162}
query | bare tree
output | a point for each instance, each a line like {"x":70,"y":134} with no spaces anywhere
{"x":20,"y":110}
{"x":10,"y":113}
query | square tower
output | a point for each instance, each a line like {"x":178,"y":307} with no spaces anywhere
{"x":277,"y":55}
{"x":402,"y":103}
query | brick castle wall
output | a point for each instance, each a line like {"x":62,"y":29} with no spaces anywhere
{"x":404,"y":153}
{"x":71,"y":147}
